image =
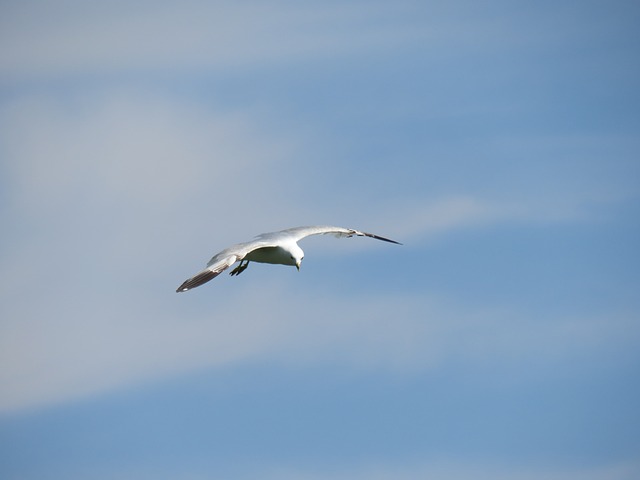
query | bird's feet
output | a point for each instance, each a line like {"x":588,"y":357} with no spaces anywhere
{"x":239,"y":269}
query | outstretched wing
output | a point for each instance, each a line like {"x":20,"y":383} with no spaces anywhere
{"x":298,"y":233}
{"x":212,"y":271}
{"x":221,"y":261}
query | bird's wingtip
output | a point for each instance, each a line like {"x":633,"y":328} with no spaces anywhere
{"x":384,"y":239}
{"x":197,"y":280}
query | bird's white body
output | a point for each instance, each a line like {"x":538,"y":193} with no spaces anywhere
{"x":281,"y":255}
{"x":276,"y":248}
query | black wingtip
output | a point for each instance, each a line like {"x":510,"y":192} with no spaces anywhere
{"x":197,"y":280}
{"x":378,"y":237}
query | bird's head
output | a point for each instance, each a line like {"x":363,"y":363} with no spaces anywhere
{"x":296,"y":256}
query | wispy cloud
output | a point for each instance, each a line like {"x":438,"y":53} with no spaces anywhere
{"x":113,"y":143}
{"x":44,"y":39}
{"x":428,"y":218}
{"x":79,"y":342}
{"x":103,"y":192}
{"x":119,"y":183}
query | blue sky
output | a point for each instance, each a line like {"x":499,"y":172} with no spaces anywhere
{"x":497,"y":141}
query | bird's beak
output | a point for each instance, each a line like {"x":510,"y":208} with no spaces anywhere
{"x":298,"y":266}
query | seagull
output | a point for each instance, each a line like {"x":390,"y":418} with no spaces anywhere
{"x":275,"y":247}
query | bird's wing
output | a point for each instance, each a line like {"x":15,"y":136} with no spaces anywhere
{"x":223,"y":260}
{"x":298,"y":233}
{"x":241,"y":250}
{"x":209,"y":273}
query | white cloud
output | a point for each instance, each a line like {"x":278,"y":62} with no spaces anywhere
{"x":48,"y":38}
{"x":106,"y":190}
{"x":70,"y":344}
{"x":427,"y":219}
{"x":51,"y":39}
{"x":137,"y":148}
{"x":103,"y":191}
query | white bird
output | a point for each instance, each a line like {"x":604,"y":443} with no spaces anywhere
{"x":275,"y":247}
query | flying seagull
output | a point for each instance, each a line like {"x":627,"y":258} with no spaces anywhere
{"x":275,"y":247}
